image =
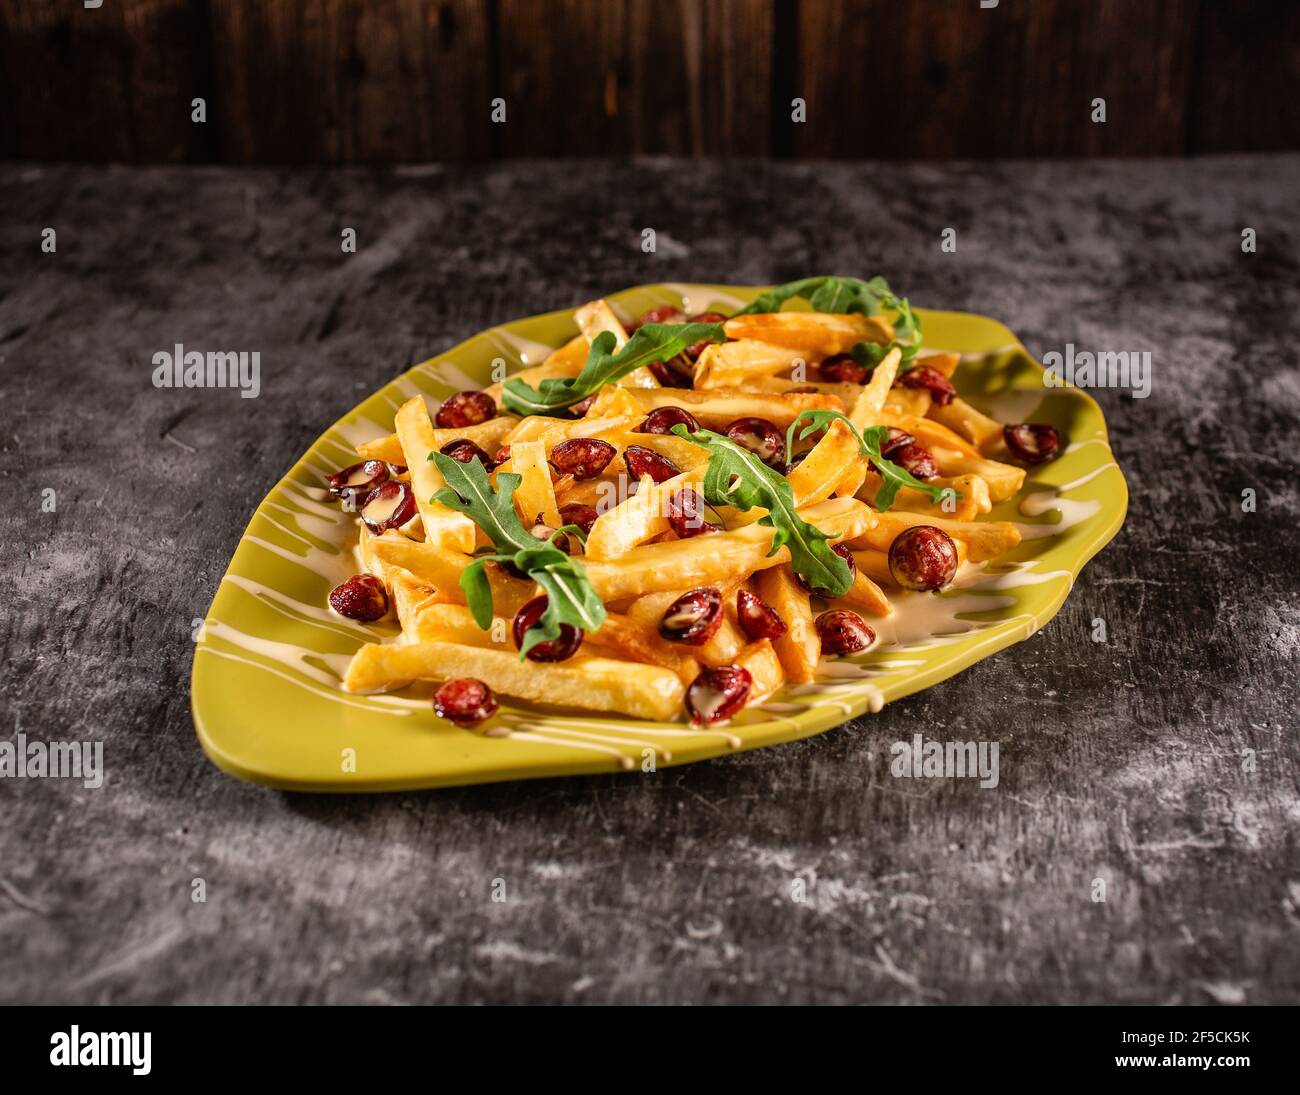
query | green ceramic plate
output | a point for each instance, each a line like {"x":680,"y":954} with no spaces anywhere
{"x":265,"y":692}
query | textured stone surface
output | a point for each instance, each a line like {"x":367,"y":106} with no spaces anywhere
{"x":1121,"y":761}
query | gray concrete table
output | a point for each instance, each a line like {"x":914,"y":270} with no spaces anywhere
{"x":1163,"y":761}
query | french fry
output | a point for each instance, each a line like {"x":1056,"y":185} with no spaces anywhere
{"x":640,"y":641}
{"x":866,"y":411}
{"x":983,"y":539}
{"x":970,"y":498}
{"x":764,"y":667}
{"x":551,"y":431}
{"x":914,"y":401}
{"x":452,"y":623}
{"x":918,"y":401}
{"x":723,"y":646}
{"x":817,"y":333}
{"x":594,"y":683}
{"x":614,"y":402}
{"x":977,"y":428}
{"x":441,"y":568}
{"x":534,"y":497}
{"x":826,"y":465}
{"x":442,"y":526}
{"x":736,"y":364}
{"x":846,"y":392}
{"x":875,"y":565}
{"x":410,"y":598}
{"x":800,"y":647}
{"x":721,"y":409}
{"x":488,"y":436}
{"x":685,"y":454}
{"x":957,"y":456}
{"x":598,"y":316}
{"x":639,"y":518}
{"x":718,"y":557}
{"x":865,"y":594}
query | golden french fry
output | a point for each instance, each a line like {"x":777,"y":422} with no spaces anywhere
{"x":957,"y":456}
{"x":440,"y":568}
{"x":534,"y":497}
{"x":969,"y":499}
{"x":488,"y":436}
{"x":594,"y":683}
{"x":973,"y":426}
{"x":817,"y":333}
{"x":764,"y":667}
{"x":615,"y":402}
{"x":444,"y":622}
{"x":835,"y":456}
{"x":865,"y":594}
{"x":847,"y":393}
{"x":442,"y":526}
{"x":410,"y":599}
{"x":866,"y":411}
{"x":640,"y":641}
{"x":800,"y":647}
{"x":875,"y":565}
{"x":983,"y":539}
{"x":718,"y":557}
{"x":723,"y":646}
{"x":639,"y":518}
{"x":685,"y":454}
{"x":914,"y":401}
{"x":551,"y":431}
{"x":722,"y":408}
{"x":736,"y":364}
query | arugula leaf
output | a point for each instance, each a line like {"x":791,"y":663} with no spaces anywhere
{"x":842,"y":295}
{"x":570,"y":596}
{"x":893,"y":478}
{"x":650,"y":343}
{"x":872,"y":354}
{"x":737,"y":477}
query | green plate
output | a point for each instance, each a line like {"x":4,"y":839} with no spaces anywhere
{"x":265,"y":692}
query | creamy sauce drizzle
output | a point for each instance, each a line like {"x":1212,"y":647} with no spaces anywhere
{"x":294,"y":609}
{"x":334,"y":567}
{"x":330,"y":529}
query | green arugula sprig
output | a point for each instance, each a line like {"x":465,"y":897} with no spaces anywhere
{"x":737,"y":477}
{"x":872,"y":354}
{"x":650,"y":343}
{"x":570,"y":596}
{"x":843,"y":295}
{"x":892,"y":477}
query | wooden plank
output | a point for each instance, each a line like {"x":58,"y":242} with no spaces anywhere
{"x":681,"y":77}
{"x":934,"y":80}
{"x":1247,"y":72}
{"x":111,"y":83}
{"x":335,"y":81}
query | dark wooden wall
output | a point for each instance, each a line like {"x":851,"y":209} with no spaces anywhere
{"x":380,"y":80}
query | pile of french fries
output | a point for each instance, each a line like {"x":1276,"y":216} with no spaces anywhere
{"x":767,"y":368}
